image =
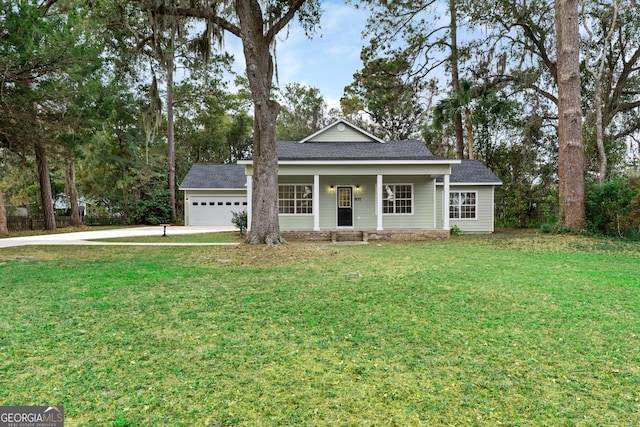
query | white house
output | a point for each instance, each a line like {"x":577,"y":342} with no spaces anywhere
{"x":343,"y":178}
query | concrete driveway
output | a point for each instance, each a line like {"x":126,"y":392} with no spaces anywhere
{"x":86,"y":237}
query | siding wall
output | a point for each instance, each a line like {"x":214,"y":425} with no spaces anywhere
{"x":364,"y":203}
{"x":484,"y":223}
{"x":347,"y":135}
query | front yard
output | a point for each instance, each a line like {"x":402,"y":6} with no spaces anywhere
{"x":506,"y":329}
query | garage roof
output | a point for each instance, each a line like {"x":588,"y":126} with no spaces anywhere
{"x":220,"y":176}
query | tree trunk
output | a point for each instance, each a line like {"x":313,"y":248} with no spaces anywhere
{"x":455,"y":79}
{"x":4,"y":230}
{"x":265,"y":227}
{"x":72,"y":192}
{"x":602,"y":154}
{"x":570,"y":146}
{"x":45,"y":186}
{"x":467,"y":120}
{"x":170,"y":139}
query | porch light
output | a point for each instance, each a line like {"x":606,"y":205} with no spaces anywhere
{"x":357,"y":188}
{"x":331,"y":189}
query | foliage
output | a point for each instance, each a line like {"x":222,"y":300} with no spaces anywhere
{"x":152,"y":208}
{"x":303,"y":112}
{"x":541,"y":331}
{"x":613,"y":208}
{"x":239,"y":219}
{"x":455,"y":230}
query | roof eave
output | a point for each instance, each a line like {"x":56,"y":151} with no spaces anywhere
{"x":471,"y":183}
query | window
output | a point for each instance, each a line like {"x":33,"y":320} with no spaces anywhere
{"x":462,"y":204}
{"x":397,"y":199}
{"x":295,"y":199}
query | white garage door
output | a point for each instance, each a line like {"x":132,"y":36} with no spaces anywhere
{"x":214,"y":210}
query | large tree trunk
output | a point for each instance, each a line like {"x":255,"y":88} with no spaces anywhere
{"x":455,"y":79}
{"x":72,"y":192}
{"x":264,"y":218}
{"x":570,"y":146}
{"x":45,"y":186}
{"x":4,"y":230}
{"x":171,"y":140}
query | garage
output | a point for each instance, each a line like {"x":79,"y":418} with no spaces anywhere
{"x":212,"y":192}
{"x":215,"y":210}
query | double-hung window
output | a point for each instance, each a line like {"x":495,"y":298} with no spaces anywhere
{"x":295,"y":199}
{"x":463,"y":205}
{"x":397,"y":199}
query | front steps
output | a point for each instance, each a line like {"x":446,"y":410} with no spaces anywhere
{"x":349,"y":237}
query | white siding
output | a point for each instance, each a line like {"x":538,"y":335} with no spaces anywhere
{"x":347,"y":135}
{"x":484,"y":222}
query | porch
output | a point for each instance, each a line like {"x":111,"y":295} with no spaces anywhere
{"x":337,"y":236}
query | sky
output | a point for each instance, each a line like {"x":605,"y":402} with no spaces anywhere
{"x":326,"y":62}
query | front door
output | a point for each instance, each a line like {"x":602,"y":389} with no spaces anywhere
{"x":345,"y":207}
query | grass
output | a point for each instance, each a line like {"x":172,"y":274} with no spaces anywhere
{"x":510,"y":329}
{"x":217,"y":237}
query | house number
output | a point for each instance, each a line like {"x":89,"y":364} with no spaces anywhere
{"x":357,"y":199}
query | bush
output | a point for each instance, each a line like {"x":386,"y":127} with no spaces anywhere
{"x":613,"y":208}
{"x":239,"y":219}
{"x":153,"y":208}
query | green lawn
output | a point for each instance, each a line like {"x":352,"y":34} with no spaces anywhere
{"x":519,"y":330}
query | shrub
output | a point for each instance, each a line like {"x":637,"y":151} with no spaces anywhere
{"x":153,"y":208}
{"x":613,"y":208}
{"x":239,"y":219}
{"x":455,"y":230}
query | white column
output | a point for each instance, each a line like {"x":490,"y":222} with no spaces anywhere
{"x":249,"y":198}
{"x":445,"y":203}
{"x":379,"y":202}
{"x":435,"y":204}
{"x":316,"y":202}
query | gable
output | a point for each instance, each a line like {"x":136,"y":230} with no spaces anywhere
{"x":341,"y":131}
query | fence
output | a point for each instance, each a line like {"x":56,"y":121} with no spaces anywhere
{"x":25,"y":223}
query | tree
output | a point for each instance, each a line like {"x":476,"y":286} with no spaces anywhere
{"x":257,"y":28}
{"x":597,"y":74}
{"x":390,"y":95}
{"x":43,"y":47}
{"x":450,"y":109}
{"x":570,"y":147}
{"x":302,"y":113}
{"x":409,"y":43}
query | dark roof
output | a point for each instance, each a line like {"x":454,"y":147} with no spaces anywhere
{"x":203,"y":175}
{"x":471,"y":171}
{"x":392,"y":150}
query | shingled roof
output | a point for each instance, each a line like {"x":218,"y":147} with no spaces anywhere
{"x":392,"y":150}
{"x":202,"y":175}
{"x":472,"y":172}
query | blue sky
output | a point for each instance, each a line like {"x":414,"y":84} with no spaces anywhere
{"x":327,"y":61}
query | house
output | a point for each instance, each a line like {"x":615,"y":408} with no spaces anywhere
{"x":344,"y":178}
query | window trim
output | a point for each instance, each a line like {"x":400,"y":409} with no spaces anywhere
{"x":411,"y":199}
{"x":295,"y":200}
{"x":459,"y":206}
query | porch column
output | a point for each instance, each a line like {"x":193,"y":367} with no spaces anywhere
{"x":249,"y":198}
{"x":316,"y":202}
{"x":445,"y":203}
{"x":379,"y":202}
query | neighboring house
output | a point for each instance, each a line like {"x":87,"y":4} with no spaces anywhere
{"x":343,"y":178}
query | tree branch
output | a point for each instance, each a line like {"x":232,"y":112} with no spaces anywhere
{"x":284,"y":20}
{"x":190,"y":12}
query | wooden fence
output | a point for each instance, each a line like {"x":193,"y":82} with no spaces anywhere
{"x":25,"y":223}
